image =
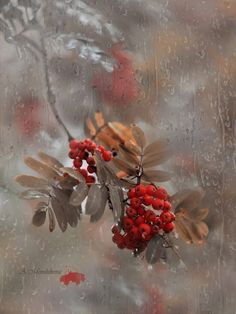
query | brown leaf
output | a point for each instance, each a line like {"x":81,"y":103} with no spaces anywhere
{"x":155,"y":147}
{"x":42,"y":169}
{"x":99,"y":119}
{"x":101,"y":170}
{"x":139,"y":136}
{"x":73,"y":173}
{"x":123,"y":132}
{"x":199,"y":213}
{"x":101,"y":207}
{"x":124,"y":166}
{"x":31,"y":181}
{"x":34,"y":194}
{"x":116,"y":198}
{"x":135,"y":150}
{"x":155,"y":249}
{"x":129,"y":156}
{"x":94,"y":200}
{"x":39,"y":218}
{"x":51,"y":218}
{"x":191,"y":200}
{"x":155,"y":160}
{"x":91,"y":127}
{"x":156,"y":175}
{"x":79,"y":194}
{"x":49,"y":160}
{"x":59,"y":213}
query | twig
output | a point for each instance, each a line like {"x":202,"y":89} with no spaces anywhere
{"x":50,"y":95}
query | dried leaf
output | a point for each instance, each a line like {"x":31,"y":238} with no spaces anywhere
{"x":155,"y":147}
{"x":204,"y":228}
{"x":34,"y":194}
{"x":117,"y":201}
{"x":41,"y":206}
{"x":199,"y":214}
{"x":129,"y":156}
{"x":101,"y":170}
{"x":67,"y":183}
{"x":155,"y":250}
{"x":191,"y":200}
{"x":79,"y":194}
{"x":39,"y":218}
{"x":101,"y":207}
{"x":99,"y":119}
{"x":139,"y":136}
{"x":59,"y":213}
{"x":73,"y":173}
{"x":155,"y":160}
{"x":31,"y":182}
{"x":51,"y":218}
{"x":132,"y":148}
{"x":42,"y":169}
{"x":94,"y":200}
{"x":122,"y":131}
{"x":124,"y":166}
{"x":49,"y":160}
{"x":91,"y":127}
{"x":156,"y":175}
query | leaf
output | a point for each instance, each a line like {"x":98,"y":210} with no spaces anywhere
{"x":124,"y":166}
{"x":94,"y":200}
{"x":67,"y":183}
{"x":132,"y":148}
{"x":41,"y":206}
{"x":91,"y":127}
{"x":79,"y":194}
{"x":191,"y":200}
{"x":155,"y":160}
{"x":117,"y":201}
{"x":101,"y":170}
{"x":73,"y":173}
{"x":50,"y":161}
{"x":199,"y":213}
{"x":156,"y":175}
{"x":155,"y":250}
{"x":59,"y":213}
{"x":51,"y":218}
{"x":101,"y":207}
{"x":121,"y":131}
{"x":34,"y":194}
{"x":42,"y":169}
{"x":139,"y":136}
{"x":129,"y":156}
{"x":39,"y":218}
{"x":31,"y":181}
{"x":99,"y":119}
{"x":155,"y":147}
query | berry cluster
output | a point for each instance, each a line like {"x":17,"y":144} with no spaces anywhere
{"x":83,"y":151}
{"x":147,"y":214}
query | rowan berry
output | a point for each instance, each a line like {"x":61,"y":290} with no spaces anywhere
{"x":90,"y":179}
{"x":168,"y":227}
{"x":106,"y":155}
{"x":147,"y":200}
{"x":150,"y":216}
{"x":74,"y":144}
{"x":73,"y":154}
{"x":141,"y":211}
{"x":135,"y":202}
{"x":150,"y":190}
{"x":81,"y":146}
{"x":157,"y":203}
{"x":145,"y":229}
{"x":91,"y":169}
{"x":77,"y":163}
{"x":131,"y":212}
{"x":139,"y":220}
{"x":91,"y":161}
{"x":127,"y":223}
{"x":140,"y":190}
{"x":115,"y":229}
{"x":131,"y":193}
{"x":167,"y":216}
{"x":83,"y":172}
{"x":161,"y":193}
{"x":167,"y":205}
{"x":134,"y":233}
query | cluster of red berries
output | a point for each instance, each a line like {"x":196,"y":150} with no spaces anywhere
{"x":83,"y":151}
{"x":147,"y":214}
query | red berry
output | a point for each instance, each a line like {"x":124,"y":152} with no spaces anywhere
{"x":90,"y":179}
{"x":147,"y":237}
{"x":150,"y":216}
{"x":106,"y":155}
{"x":150,"y":190}
{"x":145,"y":229}
{"x":161,"y":193}
{"x":77,"y":163}
{"x":100,"y":148}
{"x":157,"y":221}
{"x":81,"y":155}
{"x":74,"y":144}
{"x":135,"y":202}
{"x":155,"y":229}
{"x":91,"y":169}
{"x":81,"y":146}
{"x":127,"y":223}
{"x":73,"y":154}
{"x":131,"y":193}
{"x":167,"y":216}
{"x":157,"y":203}
{"x":134,"y":233}
{"x":140,"y":190}
{"x":131,"y":212}
{"x":167,"y":205}
{"x":83,"y":172}
{"x":147,"y":200}
{"x":115,"y":229}
{"x":90,"y":161}
{"x":139,"y":220}
{"x":141,"y":211}
{"x":168,"y":227}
